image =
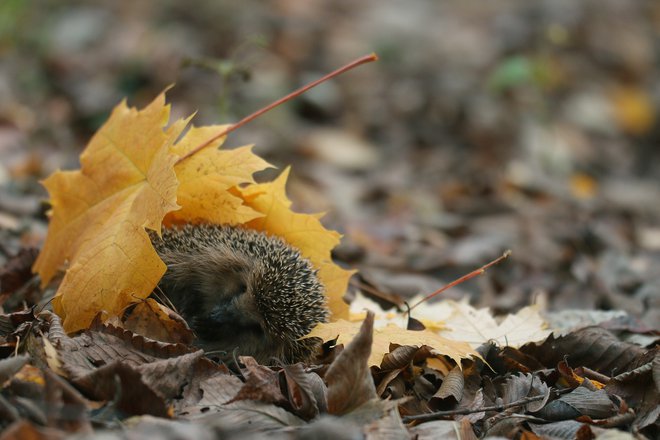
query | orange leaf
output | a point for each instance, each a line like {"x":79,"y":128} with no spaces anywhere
{"x":304,"y":231}
{"x":206,"y":177}
{"x":346,"y":330}
{"x":99,"y":214}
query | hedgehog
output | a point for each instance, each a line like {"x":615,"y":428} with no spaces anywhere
{"x":242,"y":291}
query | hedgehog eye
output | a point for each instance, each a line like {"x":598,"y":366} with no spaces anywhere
{"x":241,"y":288}
{"x":234,"y":288}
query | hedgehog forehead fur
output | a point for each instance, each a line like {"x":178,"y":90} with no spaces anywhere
{"x":269,"y":284}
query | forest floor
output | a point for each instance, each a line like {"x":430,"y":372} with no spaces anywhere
{"x":484,"y":127}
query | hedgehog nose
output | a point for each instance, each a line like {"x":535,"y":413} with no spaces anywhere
{"x":225,"y":313}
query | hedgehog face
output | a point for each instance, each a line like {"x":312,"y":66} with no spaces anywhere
{"x":213,"y":294}
{"x":242,"y":290}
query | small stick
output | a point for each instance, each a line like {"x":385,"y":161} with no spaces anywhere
{"x":464,"y":278}
{"x":440,"y":414}
{"x":362,"y":60}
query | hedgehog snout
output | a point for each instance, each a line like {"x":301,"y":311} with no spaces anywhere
{"x":237,"y":311}
{"x":225,"y":313}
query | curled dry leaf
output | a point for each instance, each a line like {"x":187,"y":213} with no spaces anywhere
{"x":78,"y":356}
{"x":122,"y":381}
{"x":452,"y":386}
{"x":308,"y":395}
{"x":520,"y":386}
{"x":261,"y":383}
{"x":66,"y":407}
{"x":153,"y":320}
{"x":349,"y":380}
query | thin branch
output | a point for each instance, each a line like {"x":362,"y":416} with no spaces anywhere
{"x":464,"y":278}
{"x":362,"y":60}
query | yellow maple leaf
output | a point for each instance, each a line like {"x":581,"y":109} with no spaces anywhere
{"x":130,"y":180}
{"x":99,"y":214}
{"x":304,"y":231}
{"x":346,"y":330}
{"x":206,"y":177}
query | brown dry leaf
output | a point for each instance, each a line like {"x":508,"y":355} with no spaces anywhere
{"x":349,"y":380}
{"x":308,"y":394}
{"x":99,"y":214}
{"x":521,"y":386}
{"x":67,"y":409}
{"x":206,"y":177}
{"x":304,"y":231}
{"x":122,"y":380}
{"x":592,"y":347}
{"x":581,"y":401}
{"x":153,"y":320}
{"x":17,"y":271}
{"x":346,"y":330}
{"x":261,"y":383}
{"x":207,"y":402}
{"x":452,"y":386}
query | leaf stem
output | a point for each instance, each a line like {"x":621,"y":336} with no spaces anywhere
{"x":464,"y":278}
{"x":357,"y":62}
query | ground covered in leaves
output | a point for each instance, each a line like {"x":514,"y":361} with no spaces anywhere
{"x":484,"y":127}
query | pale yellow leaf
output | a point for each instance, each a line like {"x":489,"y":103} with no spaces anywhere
{"x":52,"y":358}
{"x":477,"y":326}
{"x":346,"y":330}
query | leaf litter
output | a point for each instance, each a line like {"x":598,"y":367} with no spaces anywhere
{"x":589,"y":380}
{"x":146,"y":367}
